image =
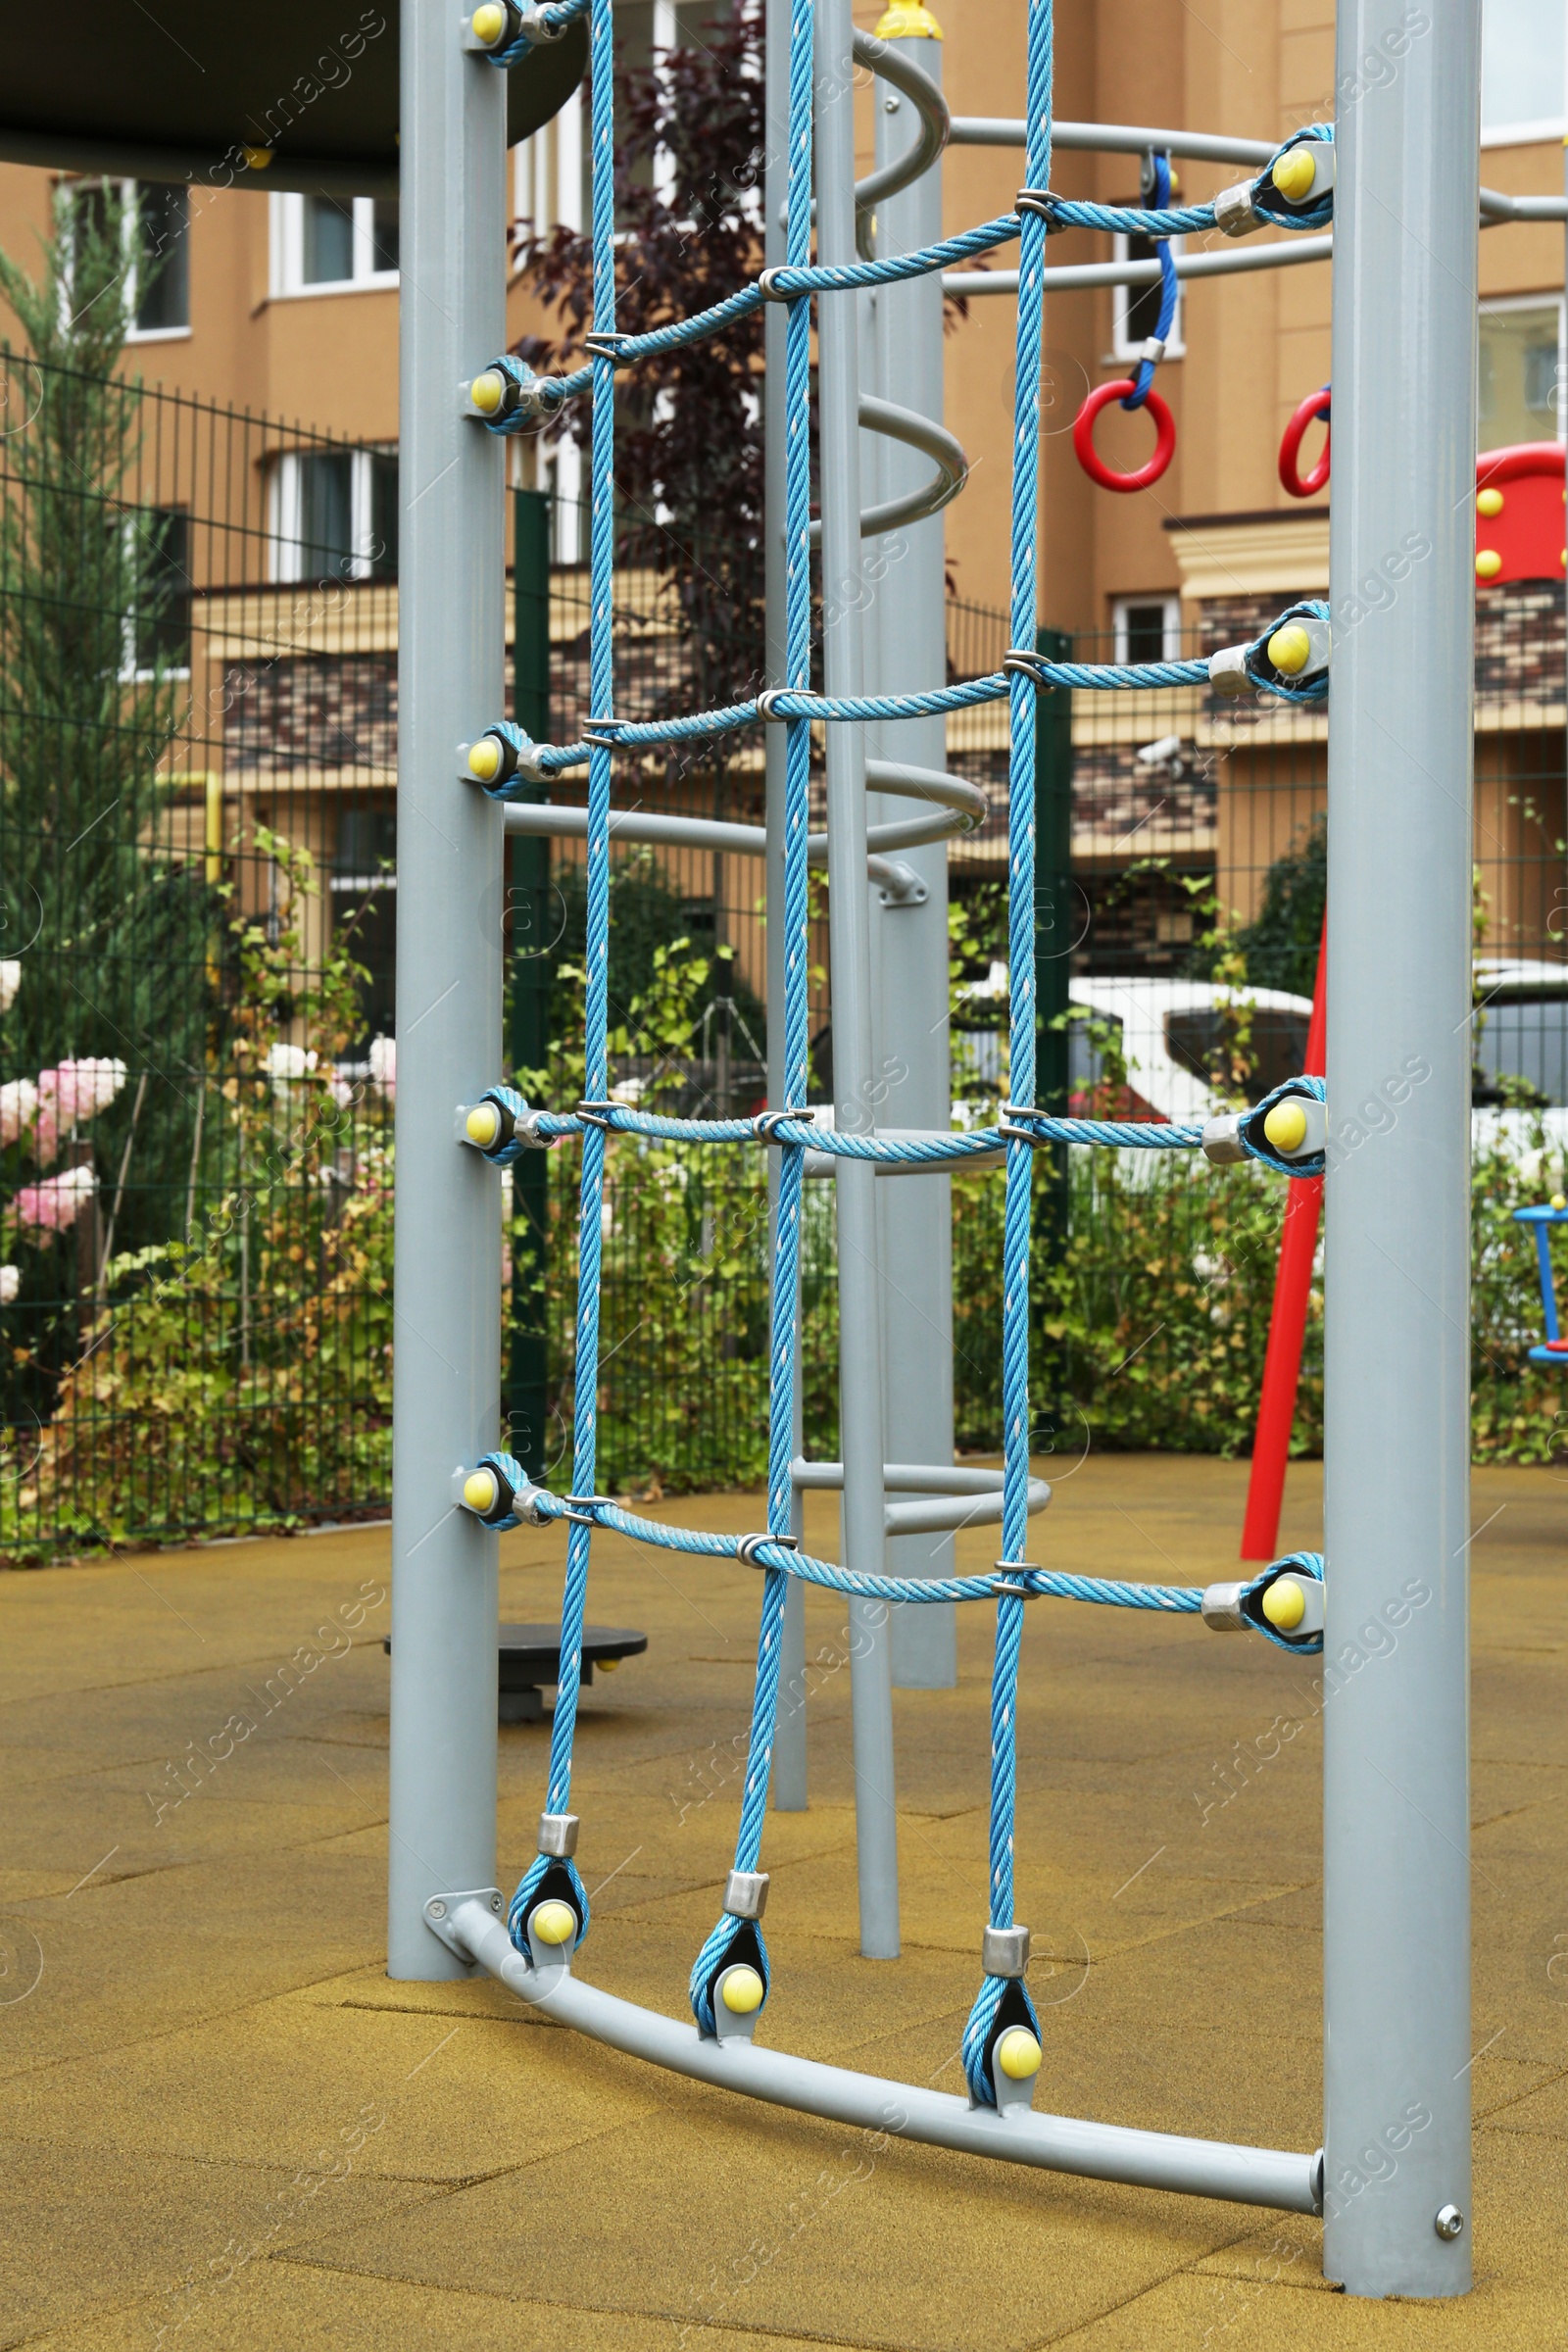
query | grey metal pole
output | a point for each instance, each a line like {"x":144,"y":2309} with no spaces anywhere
{"x":447,"y":1390}
{"x":1397,"y":1831}
{"x":908,"y":633}
{"x":850,"y":956}
{"x":788,"y":1776}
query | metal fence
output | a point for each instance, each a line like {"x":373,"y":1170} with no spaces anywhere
{"x":197,"y":718}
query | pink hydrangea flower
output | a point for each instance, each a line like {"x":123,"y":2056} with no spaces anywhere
{"x":55,"y":1203}
{"x":76,"y":1090}
{"x":18,"y":1108}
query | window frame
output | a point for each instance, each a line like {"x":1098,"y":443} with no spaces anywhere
{"x":134,"y":672}
{"x":285,"y":504}
{"x":127,"y":192}
{"x":1169,"y":600}
{"x":1122,"y":298}
{"x":287,"y":251}
{"x":1550,"y":298}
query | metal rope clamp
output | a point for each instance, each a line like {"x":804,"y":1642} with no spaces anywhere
{"x":745,"y":1548}
{"x":767,"y":704}
{"x":558,"y":1835}
{"x":1028,"y":665}
{"x":1012,"y":1592}
{"x":1008,"y":1112}
{"x":766,"y":1123}
{"x":535,"y":32}
{"x":1004,"y":1951}
{"x":767,"y":284}
{"x":599,"y":1115}
{"x":1046,"y":206}
{"x":606,"y":346}
{"x":581,"y":1509}
{"x":746,"y":1894}
{"x":1235,"y":214}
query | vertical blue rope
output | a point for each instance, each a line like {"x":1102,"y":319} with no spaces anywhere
{"x":1145,"y":375}
{"x":732,"y":1938}
{"x":983,"y":2018}
{"x":574,"y":1597}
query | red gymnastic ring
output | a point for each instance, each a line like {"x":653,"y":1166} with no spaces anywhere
{"x":1090,"y":459}
{"x":1299,"y":485}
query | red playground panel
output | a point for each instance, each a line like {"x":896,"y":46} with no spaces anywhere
{"x":1520,"y":532}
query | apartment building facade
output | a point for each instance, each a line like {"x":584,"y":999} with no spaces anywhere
{"x":286,"y":306}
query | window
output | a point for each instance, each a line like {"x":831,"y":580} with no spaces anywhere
{"x":1521,"y":373}
{"x":1522,"y":67}
{"x":1136,"y":309}
{"x":364,"y":898}
{"x":156,"y":228}
{"x":158,"y":557}
{"x":161,"y":264}
{"x":333,"y":244}
{"x":1149,"y":628}
{"x":335,"y":514}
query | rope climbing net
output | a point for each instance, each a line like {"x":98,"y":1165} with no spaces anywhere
{"x":1285,"y":1132}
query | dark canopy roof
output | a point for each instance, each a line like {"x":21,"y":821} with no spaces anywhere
{"x":178,"y":89}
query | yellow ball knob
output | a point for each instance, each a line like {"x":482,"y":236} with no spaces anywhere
{"x":1286,"y":1126}
{"x":482,"y":1491}
{"x":1289,"y":649}
{"x":1285,"y":1605}
{"x":1018,"y":2054}
{"x":1559,"y":1200}
{"x":1293,"y":173}
{"x":257,"y":158}
{"x":553,"y":1923}
{"x":488,"y":391}
{"x":489,"y":22}
{"x":482,"y":1125}
{"x":484,"y":758}
{"x":1489,"y":502}
{"x":1487,"y":564}
{"x":741,"y":1991}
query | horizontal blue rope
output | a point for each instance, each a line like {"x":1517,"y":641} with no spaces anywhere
{"x":1137,"y":1135}
{"x":1045,"y":1583}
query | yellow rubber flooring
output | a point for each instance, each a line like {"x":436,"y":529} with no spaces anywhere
{"x":225,"y":2126}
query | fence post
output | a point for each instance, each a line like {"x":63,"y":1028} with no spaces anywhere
{"x":1396,"y":1327}
{"x":451,"y":683}
{"x":1055,"y":933}
{"x":528,"y":1367}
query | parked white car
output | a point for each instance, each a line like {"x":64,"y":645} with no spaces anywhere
{"x":1168,"y":1029}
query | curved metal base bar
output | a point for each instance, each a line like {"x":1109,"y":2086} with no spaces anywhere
{"x":1198,"y":2167}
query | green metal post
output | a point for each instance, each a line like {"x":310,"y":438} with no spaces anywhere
{"x":1054,"y":933}
{"x":527,"y":1371}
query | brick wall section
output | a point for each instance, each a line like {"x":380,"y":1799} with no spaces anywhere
{"x":328,"y":711}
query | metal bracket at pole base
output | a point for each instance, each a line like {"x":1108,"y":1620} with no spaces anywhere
{"x":1204,"y":2168}
{"x":442,"y":1909}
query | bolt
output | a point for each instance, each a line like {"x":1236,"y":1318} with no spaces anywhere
{"x":495,"y":1902}
{"x":437,"y":1909}
{"x":890,"y":105}
{"x":1448,"y":2220}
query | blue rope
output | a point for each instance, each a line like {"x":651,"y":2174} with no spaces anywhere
{"x":796,"y":703}
{"x":980,"y":2031}
{"x":1145,"y":376}
{"x":574,"y":1598}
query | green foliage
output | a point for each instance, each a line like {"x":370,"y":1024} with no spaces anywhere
{"x":1279,"y":946}
{"x":242,"y":1378}
{"x":645,"y":916}
{"x":93,"y":598}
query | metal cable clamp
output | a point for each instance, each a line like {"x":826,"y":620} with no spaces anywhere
{"x":746,"y":1548}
